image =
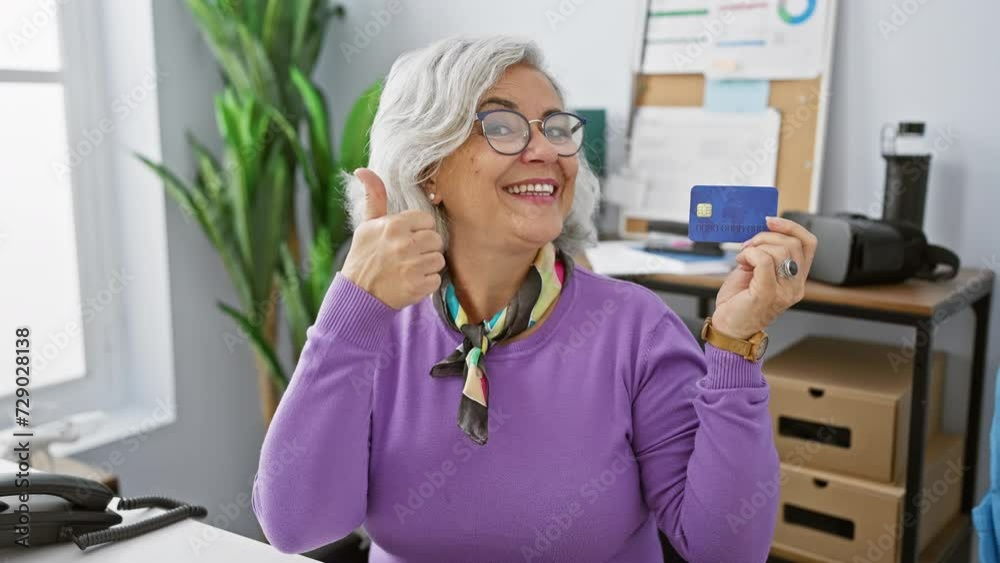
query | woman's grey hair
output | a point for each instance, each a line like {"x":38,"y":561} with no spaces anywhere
{"x":426,"y":112}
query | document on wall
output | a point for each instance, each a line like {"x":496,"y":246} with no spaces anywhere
{"x":675,"y":148}
{"x":756,"y":39}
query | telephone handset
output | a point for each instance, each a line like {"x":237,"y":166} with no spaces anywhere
{"x":63,"y":508}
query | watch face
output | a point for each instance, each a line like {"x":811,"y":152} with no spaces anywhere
{"x":761,"y":347}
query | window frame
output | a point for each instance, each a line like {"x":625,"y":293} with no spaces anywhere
{"x":98,"y":230}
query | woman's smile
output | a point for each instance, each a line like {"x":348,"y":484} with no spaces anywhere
{"x":534,"y":191}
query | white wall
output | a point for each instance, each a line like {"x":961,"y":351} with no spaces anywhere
{"x":588,"y":49}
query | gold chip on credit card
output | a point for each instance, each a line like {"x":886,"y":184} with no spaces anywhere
{"x":704,"y":210}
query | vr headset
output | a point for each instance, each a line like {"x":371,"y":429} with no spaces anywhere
{"x":856,"y":250}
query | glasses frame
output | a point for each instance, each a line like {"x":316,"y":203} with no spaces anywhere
{"x":480,"y":116}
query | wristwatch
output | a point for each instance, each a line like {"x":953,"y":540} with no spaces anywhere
{"x":751,"y":349}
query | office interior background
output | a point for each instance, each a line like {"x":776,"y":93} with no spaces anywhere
{"x":186,"y":418}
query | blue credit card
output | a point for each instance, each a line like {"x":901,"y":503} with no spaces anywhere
{"x":730,"y":213}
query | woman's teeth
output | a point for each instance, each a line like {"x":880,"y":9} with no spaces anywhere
{"x":532,"y":189}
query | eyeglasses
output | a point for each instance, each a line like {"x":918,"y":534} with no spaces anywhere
{"x":509,"y":132}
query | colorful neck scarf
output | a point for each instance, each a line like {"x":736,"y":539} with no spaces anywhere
{"x":536,"y":295}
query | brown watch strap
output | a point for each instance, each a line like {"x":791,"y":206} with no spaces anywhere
{"x":744,"y":348}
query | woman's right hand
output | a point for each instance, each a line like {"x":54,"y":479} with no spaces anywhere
{"x":396,"y":258}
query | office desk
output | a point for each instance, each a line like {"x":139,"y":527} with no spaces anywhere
{"x":190,"y":540}
{"x":924,"y":306}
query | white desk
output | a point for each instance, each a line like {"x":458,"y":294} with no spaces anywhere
{"x":185,"y":541}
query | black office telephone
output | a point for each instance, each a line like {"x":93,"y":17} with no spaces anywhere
{"x":63,"y":508}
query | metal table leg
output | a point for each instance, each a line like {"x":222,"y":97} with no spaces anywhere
{"x":918,"y":423}
{"x":982,"y":310}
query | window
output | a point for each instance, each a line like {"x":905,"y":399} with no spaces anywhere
{"x":54,"y":250}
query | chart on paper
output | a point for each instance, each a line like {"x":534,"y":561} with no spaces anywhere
{"x":766,"y":39}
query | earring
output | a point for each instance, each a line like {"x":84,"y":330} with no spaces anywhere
{"x":431,"y":196}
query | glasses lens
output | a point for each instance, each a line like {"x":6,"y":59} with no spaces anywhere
{"x":565,"y":132}
{"x":506,"y":131}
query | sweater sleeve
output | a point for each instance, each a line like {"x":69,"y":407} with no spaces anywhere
{"x":702,"y":438}
{"x":311,"y":485}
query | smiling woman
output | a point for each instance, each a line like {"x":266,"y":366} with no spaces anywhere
{"x":468,"y":394}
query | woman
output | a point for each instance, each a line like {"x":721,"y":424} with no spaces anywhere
{"x":468,"y":394}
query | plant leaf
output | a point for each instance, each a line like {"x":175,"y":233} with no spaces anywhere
{"x":269,"y":220}
{"x":296,"y":307}
{"x":319,"y":272}
{"x":354,"y":140}
{"x":260,"y":344}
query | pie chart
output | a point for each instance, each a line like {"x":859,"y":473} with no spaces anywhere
{"x":800,"y":15}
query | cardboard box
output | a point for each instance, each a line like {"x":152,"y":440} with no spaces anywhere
{"x":826,"y":516}
{"x":844,"y":406}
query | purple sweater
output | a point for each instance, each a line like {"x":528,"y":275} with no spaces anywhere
{"x":606,"y":423}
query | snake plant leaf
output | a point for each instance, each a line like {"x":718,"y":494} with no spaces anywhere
{"x":354,"y":139}
{"x":176,"y":188}
{"x":296,"y":307}
{"x":209,"y":171}
{"x":251,"y":14}
{"x":191,"y":202}
{"x":320,"y":270}
{"x":320,"y":145}
{"x":268,"y":226}
{"x":221,"y":33}
{"x":228,"y":116}
{"x":302,"y":14}
{"x":264,"y":349}
{"x":317,"y":117}
{"x":312,"y":180}
{"x":312,"y":42}
{"x":270,"y":27}
{"x":263,"y":79}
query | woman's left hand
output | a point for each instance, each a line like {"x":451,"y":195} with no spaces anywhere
{"x":753,"y":294}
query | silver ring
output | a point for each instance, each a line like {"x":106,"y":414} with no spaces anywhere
{"x":788,"y":269}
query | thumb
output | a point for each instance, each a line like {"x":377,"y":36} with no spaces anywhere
{"x":375,"y":198}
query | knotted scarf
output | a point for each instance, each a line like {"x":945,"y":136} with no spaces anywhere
{"x":537,"y":294}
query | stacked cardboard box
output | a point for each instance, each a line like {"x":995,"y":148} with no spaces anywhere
{"x":841,"y":412}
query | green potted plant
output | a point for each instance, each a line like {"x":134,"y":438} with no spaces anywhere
{"x":273,"y":123}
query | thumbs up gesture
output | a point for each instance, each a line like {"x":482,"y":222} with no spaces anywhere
{"x":396,"y":258}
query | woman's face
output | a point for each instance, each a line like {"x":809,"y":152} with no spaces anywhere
{"x":473,"y":183}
